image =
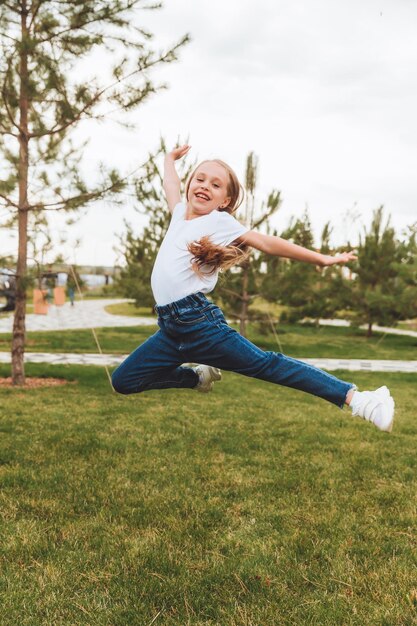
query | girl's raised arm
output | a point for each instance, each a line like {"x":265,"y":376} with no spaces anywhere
{"x":172,"y":182}
{"x":281,"y":247}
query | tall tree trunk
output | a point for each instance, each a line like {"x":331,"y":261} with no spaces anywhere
{"x":369,"y":331}
{"x":19,"y":331}
{"x":245,"y":300}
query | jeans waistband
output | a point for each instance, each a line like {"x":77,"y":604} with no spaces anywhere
{"x":196,"y":300}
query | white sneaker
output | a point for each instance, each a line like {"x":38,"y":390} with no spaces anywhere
{"x":377,"y":407}
{"x":207,"y":375}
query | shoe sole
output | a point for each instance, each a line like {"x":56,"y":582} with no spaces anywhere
{"x":215,"y":375}
{"x":390,"y":416}
{"x":392,"y":403}
{"x":385,"y":394}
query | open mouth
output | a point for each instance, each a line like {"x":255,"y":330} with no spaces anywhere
{"x":202,"y":196}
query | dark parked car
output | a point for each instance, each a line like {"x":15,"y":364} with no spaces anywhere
{"x":7,"y":290}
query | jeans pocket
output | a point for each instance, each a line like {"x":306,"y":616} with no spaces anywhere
{"x":190,"y":317}
{"x":217,"y":316}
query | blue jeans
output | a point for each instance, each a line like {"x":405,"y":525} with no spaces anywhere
{"x":194,"y":330}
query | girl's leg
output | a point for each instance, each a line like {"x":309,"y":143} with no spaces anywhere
{"x":225,"y":348}
{"x":153,"y":365}
{"x":229,"y":350}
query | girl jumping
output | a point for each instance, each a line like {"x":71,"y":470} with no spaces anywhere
{"x":204,"y":237}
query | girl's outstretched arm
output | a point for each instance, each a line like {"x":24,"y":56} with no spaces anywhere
{"x":281,"y":247}
{"x":172,"y":183}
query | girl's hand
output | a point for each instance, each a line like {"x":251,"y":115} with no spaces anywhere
{"x":343,"y":257}
{"x":179,"y":152}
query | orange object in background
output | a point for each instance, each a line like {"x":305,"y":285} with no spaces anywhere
{"x":40,"y":305}
{"x":59,"y":296}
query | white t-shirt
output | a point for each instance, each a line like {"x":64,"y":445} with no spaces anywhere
{"x":173,"y":277}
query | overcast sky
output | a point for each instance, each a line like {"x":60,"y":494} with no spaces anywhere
{"x":324,"y":92}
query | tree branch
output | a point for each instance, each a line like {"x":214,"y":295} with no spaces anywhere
{"x":264,"y":217}
{"x":232,"y":293}
{"x":12,"y":8}
{"x":9,"y":201}
{"x":88,"y":196}
{"x":35,"y":12}
{"x":7,"y":132}
{"x":93,"y":101}
{"x":98,"y":17}
{"x":9,"y":37}
{"x":4,"y":94}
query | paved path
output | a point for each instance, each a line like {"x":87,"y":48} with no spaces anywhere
{"x":85,"y":314}
{"x":361,"y":365}
{"x":91,"y":314}
{"x":375,"y":327}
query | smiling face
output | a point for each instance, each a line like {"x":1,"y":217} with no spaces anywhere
{"x":208,"y":189}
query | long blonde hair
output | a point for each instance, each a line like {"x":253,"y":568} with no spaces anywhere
{"x":205,"y":252}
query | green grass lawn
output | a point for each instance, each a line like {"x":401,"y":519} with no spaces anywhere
{"x":408,"y":325}
{"x":129,"y":309}
{"x":296,"y":340}
{"x":254,"y":505}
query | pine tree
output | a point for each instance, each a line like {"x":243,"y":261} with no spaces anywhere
{"x":384,"y":268}
{"x":330,"y":287}
{"x":407,"y":273}
{"x":42,"y":101}
{"x":289,"y":281}
{"x":306,"y":290}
